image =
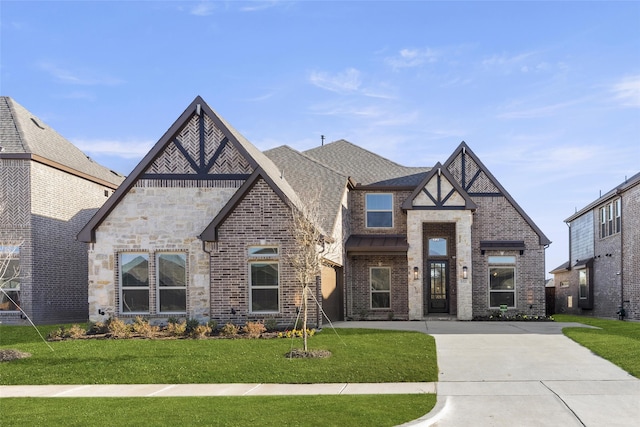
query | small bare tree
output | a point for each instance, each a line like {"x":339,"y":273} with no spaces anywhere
{"x":9,"y":270}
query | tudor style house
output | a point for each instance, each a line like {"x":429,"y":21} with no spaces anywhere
{"x":603,"y":272}
{"x":49,"y":189}
{"x":202,"y":228}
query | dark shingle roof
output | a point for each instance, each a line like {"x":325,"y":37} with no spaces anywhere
{"x":22,"y":133}
{"x":363,"y":166}
{"x":313,"y":182}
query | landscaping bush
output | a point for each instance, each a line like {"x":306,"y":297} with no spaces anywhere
{"x":254,"y":329}
{"x":142,"y":327}
{"x":200,"y":331}
{"x":229,"y":330}
{"x":118,"y":328}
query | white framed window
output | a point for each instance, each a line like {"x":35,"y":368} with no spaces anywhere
{"x":134,"y":283}
{"x":380,"y":280}
{"x":264,"y":279}
{"x":610,"y":218}
{"x":171,"y":278}
{"x":379,"y":210}
{"x":10,"y":278}
{"x":502,"y":281}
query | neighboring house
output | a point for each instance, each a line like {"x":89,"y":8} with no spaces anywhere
{"x":603,"y":271}
{"x":49,"y":189}
{"x":202,"y":228}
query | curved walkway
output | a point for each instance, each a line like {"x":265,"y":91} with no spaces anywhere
{"x":490,"y":374}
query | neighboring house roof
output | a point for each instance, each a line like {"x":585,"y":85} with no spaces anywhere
{"x":628,"y":183}
{"x":363,"y":166}
{"x":260,"y":164}
{"x":561,"y":268}
{"x":25,"y":136}
{"x":320,"y":187}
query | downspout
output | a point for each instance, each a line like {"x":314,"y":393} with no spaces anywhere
{"x":621,"y":259}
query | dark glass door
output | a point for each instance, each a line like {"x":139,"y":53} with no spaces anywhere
{"x":437,"y":285}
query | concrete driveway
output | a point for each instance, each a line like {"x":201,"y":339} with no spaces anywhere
{"x":521,"y":374}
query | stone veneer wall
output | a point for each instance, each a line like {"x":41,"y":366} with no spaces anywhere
{"x":150,"y":219}
{"x":496,"y":219}
{"x":260,"y":219}
{"x":463,"y":220}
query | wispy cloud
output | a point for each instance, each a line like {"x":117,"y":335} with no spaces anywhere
{"x":347,"y":81}
{"x":542,"y":111}
{"x":126,"y":149}
{"x":627,"y":91}
{"x":408,"y":58}
{"x":79,"y":77}
{"x":260,"y":5}
{"x":204,"y":8}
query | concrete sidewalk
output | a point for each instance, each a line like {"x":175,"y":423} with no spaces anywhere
{"x":521,"y":374}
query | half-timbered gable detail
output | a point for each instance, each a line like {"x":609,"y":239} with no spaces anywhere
{"x":439,"y":190}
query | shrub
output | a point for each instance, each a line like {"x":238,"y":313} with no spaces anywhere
{"x":229,"y":330}
{"x":254,"y":329}
{"x":75,"y":331}
{"x":192,"y":324}
{"x":213,"y":324}
{"x":200,"y":331}
{"x":56,"y":334}
{"x":177,"y":329}
{"x":97,"y":328}
{"x":118,"y":328}
{"x":142,"y":327}
{"x":296,"y":333}
{"x":271,"y":324}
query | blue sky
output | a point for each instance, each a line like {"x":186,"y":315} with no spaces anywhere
{"x":547,"y":94}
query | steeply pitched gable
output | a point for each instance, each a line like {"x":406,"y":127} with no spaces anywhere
{"x":438,"y":190}
{"x":199,"y":146}
{"x":473,"y":176}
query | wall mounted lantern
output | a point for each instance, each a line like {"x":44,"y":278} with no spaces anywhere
{"x":464,"y":272}
{"x":415,"y":273}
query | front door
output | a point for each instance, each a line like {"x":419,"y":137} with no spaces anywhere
{"x":437,"y":289}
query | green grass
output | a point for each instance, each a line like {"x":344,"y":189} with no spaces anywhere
{"x":358,"y":355}
{"x":342,"y":410}
{"x":616,"y":341}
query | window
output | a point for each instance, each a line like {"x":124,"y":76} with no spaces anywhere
{"x":134,"y":283}
{"x":172,"y":282}
{"x":10,"y":278}
{"x":379,"y":209}
{"x":264,"y":279}
{"x":583,"y":284}
{"x":438,"y":247}
{"x":502,"y":281}
{"x":380,"y":279}
{"x":610,"y":219}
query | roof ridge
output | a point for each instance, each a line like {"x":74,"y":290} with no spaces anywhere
{"x":311,"y":159}
{"x":342,"y":140}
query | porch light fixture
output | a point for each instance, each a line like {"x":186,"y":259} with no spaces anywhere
{"x":464,"y":272}
{"x":415,"y":273}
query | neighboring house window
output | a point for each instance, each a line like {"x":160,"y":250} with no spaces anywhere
{"x":610,"y":219}
{"x":264,"y":279}
{"x":438,"y":246}
{"x":379,"y":209}
{"x":134,"y":283}
{"x":502,"y":281}
{"x":380,"y":279}
{"x":583,"y":284}
{"x":172,"y":282}
{"x":10,"y":278}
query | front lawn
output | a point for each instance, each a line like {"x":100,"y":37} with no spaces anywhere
{"x":615,"y":340}
{"x":256,"y":411}
{"x":358,"y":355}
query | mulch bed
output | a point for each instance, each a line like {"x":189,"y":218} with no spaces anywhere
{"x":8,"y":355}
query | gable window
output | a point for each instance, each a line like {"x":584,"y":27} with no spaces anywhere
{"x":379,"y":210}
{"x":264,"y":281}
{"x":502,"y":281}
{"x":380,"y":279}
{"x":172,"y":282}
{"x":10,"y":278}
{"x":134,"y":283}
{"x":610,"y":219}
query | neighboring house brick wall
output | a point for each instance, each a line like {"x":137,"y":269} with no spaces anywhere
{"x":606,"y":266}
{"x":150,"y":219}
{"x":497,"y":219}
{"x":566,"y":294}
{"x":61,"y":206}
{"x":260,"y":218}
{"x":631,"y":251}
